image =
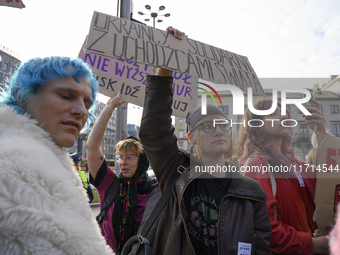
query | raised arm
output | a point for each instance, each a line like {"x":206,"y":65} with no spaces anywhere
{"x":317,"y":121}
{"x":95,"y":154}
{"x":156,"y":131}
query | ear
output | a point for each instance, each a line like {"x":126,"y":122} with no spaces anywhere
{"x":17,"y":101}
{"x":16,"y":96}
{"x":190,"y":138}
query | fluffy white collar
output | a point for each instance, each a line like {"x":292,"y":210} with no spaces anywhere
{"x":44,"y":208}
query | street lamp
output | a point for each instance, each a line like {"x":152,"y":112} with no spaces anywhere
{"x":154,"y":15}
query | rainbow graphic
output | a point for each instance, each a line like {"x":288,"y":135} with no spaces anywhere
{"x":209,"y":93}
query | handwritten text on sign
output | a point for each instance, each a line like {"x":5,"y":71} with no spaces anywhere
{"x":120,"y":38}
{"x":129,"y":78}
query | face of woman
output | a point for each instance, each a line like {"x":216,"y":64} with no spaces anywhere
{"x":128,"y":162}
{"x":214,"y":143}
{"x":273,"y":125}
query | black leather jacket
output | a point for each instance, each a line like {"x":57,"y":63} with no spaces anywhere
{"x":243,"y":215}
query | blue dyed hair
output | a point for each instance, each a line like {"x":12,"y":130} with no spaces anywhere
{"x":34,"y":73}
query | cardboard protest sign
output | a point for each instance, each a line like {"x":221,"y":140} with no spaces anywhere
{"x":13,"y":3}
{"x":327,"y":195}
{"x":123,"y":39}
{"x":129,"y":78}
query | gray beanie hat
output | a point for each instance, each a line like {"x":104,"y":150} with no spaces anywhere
{"x":196,"y":114}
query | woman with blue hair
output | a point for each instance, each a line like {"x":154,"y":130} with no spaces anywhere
{"x":44,"y":208}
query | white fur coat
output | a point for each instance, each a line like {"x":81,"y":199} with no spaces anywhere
{"x":43,"y":205}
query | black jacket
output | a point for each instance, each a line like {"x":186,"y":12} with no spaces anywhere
{"x":243,"y":215}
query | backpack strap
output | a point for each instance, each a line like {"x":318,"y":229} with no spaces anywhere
{"x":271,"y":178}
{"x":161,"y":202}
{"x":109,"y":199}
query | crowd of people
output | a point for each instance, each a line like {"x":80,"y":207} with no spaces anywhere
{"x":44,"y":202}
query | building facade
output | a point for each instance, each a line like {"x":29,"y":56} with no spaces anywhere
{"x":133,"y":130}
{"x":108,"y":144}
{"x":9,"y":62}
{"x":333,"y":85}
{"x":181,"y":133}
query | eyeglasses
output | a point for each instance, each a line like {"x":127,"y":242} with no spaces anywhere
{"x":209,"y":127}
{"x":128,"y":159}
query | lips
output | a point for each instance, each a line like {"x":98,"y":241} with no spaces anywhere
{"x":125,"y":170}
{"x":72,"y":123}
{"x":220,"y":141}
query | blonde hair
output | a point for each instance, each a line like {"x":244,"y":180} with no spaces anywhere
{"x":129,"y":145}
{"x":312,"y":155}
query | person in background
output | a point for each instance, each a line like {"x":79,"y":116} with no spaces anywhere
{"x":218,"y":213}
{"x":290,"y":194}
{"x":76,"y":159}
{"x":44,"y":208}
{"x":124,"y":216}
{"x":311,"y":158}
{"x":334,"y":236}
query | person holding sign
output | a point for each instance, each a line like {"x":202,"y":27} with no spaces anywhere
{"x":44,"y":208}
{"x":217,"y":213}
{"x":265,"y":154}
{"x":133,"y":185}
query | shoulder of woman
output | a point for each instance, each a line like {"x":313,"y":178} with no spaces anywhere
{"x":256,"y":160}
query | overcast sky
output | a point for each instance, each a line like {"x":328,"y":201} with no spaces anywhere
{"x":281,"y":38}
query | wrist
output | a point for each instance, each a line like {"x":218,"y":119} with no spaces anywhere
{"x":164,"y":72}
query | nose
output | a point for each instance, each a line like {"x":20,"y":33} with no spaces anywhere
{"x":79,"y":108}
{"x":218,"y":130}
{"x":123,"y":162}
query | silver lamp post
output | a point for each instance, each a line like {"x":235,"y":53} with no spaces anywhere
{"x":154,"y":15}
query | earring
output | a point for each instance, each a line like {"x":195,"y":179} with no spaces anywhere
{"x":199,"y":147}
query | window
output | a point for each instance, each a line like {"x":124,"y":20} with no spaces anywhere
{"x":224,"y":109}
{"x":321,"y":109}
{"x":180,"y":134}
{"x":0,"y":61}
{"x":11,"y":69}
{"x":336,"y":129}
{"x":5,"y":66}
{"x":181,"y":144}
{"x":334,"y":108}
{"x":303,"y":132}
{"x":180,"y":122}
